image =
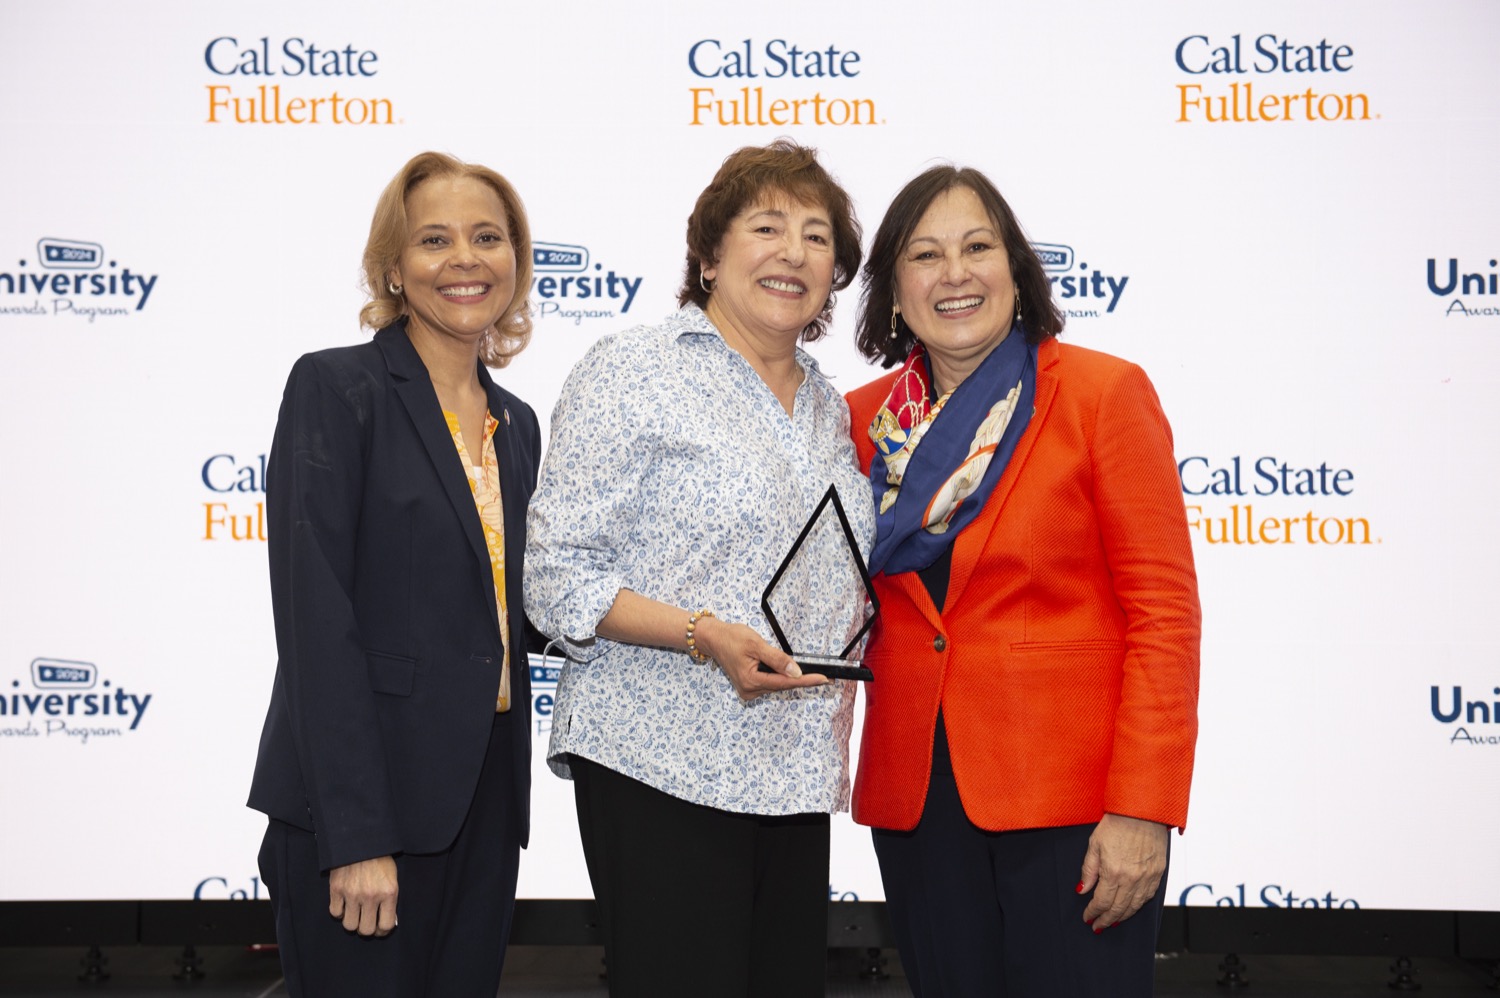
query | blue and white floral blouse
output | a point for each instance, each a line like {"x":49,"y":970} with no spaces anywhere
{"x":674,"y":472}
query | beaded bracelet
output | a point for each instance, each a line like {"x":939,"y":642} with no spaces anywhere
{"x":692,"y":642}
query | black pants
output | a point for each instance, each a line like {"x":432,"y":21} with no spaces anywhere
{"x":988,"y":914}
{"x":453,"y":908}
{"x":695,"y":901}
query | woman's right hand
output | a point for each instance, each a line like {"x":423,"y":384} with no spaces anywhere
{"x":739,"y":651}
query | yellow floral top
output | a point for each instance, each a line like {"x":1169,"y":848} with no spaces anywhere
{"x":484,"y":482}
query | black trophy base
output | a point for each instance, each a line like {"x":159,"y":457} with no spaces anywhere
{"x":834,"y":668}
{"x":831,"y":666}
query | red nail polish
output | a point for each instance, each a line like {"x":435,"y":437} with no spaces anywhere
{"x":1079,"y":888}
{"x":1099,"y":928}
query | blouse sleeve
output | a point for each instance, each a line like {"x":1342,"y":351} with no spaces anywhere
{"x":587,"y":499}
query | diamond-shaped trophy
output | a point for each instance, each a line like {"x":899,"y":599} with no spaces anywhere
{"x":839,"y":666}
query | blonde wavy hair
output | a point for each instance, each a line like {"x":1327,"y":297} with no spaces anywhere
{"x":389,"y":232}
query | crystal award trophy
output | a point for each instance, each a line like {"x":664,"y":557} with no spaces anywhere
{"x":839,"y":666}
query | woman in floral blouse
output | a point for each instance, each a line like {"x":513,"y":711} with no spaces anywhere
{"x":685,"y":458}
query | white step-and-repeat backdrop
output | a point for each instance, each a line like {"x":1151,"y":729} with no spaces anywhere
{"x":1288,"y":212}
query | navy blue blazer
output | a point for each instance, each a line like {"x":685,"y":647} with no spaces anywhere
{"x":387,"y":634}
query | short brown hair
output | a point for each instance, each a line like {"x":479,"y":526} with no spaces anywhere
{"x":750,"y":175}
{"x":389,"y":230}
{"x":1042,"y":320}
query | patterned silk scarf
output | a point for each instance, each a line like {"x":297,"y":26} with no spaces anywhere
{"x":932,"y":476}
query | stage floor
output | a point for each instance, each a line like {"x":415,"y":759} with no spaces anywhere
{"x":574,"y":971}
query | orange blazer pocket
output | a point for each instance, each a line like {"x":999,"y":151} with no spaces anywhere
{"x":1082,"y":644}
{"x":1065,"y":695}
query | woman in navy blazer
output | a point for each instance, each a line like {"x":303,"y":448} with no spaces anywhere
{"x":395,"y":761}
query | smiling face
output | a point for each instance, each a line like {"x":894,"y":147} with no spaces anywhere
{"x":954,"y":286}
{"x":458,"y":268}
{"x":773,"y":270}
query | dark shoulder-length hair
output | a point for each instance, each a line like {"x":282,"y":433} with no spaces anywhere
{"x":389,"y":231}
{"x":1041,"y":316}
{"x":755,"y":174}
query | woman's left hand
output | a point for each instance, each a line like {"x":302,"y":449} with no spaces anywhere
{"x":1123,"y":867}
{"x":739,"y":652}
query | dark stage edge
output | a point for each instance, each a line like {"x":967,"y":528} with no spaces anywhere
{"x":142,"y":971}
{"x":44,"y":947}
{"x":851,"y":925}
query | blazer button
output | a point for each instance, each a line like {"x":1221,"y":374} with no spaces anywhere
{"x":939,"y":643}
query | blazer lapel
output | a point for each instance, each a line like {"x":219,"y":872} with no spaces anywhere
{"x":414,"y":389}
{"x":971,"y":543}
{"x":910,"y":583}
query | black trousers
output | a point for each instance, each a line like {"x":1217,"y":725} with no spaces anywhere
{"x":980,"y":913}
{"x":695,"y":901}
{"x":453,"y":908}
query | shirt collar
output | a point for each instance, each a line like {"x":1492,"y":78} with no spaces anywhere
{"x":690,"y":322}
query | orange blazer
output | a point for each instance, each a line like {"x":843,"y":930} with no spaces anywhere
{"x":1066,"y":659}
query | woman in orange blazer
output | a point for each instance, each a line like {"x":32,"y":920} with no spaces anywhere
{"x":1028,"y":738}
